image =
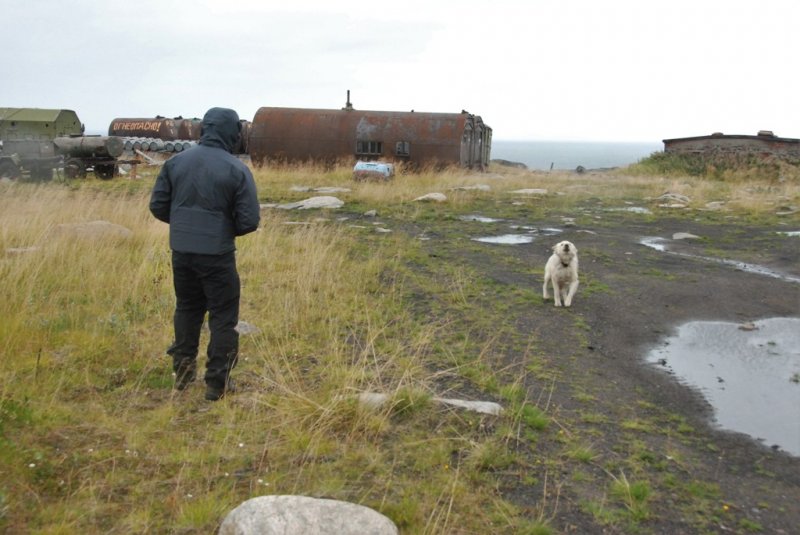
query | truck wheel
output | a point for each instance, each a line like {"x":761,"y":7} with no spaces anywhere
{"x":42,"y":173}
{"x":104,"y":171}
{"x":74,"y":169}
{"x":9,"y":170}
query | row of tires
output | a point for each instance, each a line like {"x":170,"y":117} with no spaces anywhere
{"x":72,"y":168}
{"x":77,"y":168}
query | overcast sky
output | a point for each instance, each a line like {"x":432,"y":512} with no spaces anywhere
{"x":614,"y":70}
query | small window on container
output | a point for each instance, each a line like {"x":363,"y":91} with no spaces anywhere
{"x":403,"y":148}
{"x":370,"y":148}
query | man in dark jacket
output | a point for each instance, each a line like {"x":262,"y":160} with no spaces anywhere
{"x":208,"y":197}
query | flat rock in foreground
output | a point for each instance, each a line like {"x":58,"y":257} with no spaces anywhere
{"x":301,"y":515}
{"x":323,"y":201}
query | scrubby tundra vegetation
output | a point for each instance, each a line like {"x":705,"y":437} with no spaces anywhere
{"x":94,"y":440}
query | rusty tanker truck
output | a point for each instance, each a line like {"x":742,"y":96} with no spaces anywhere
{"x":36,"y":141}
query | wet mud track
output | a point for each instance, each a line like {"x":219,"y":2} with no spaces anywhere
{"x":631,"y":298}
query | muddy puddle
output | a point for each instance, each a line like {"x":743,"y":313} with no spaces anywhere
{"x":514,"y":238}
{"x":479,"y":218}
{"x":662,"y":244}
{"x":506,"y":239}
{"x":749,"y":374}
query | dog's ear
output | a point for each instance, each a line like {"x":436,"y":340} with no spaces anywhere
{"x":555,"y":248}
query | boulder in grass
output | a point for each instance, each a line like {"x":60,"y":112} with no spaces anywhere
{"x":301,"y":515}
{"x":530,"y":191}
{"x":313,"y":202}
{"x":435,"y":197}
{"x":684,"y":236}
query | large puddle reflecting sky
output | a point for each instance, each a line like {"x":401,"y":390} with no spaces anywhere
{"x":750,"y":377}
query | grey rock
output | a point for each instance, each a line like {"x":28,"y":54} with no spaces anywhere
{"x":483,"y":407}
{"x":509,"y":163}
{"x":22,"y":250}
{"x":372,"y":400}
{"x":375,"y":399}
{"x":530,"y":191}
{"x":684,"y":236}
{"x":331,"y":189}
{"x":244,"y":328}
{"x":673,"y":198}
{"x":321,"y":189}
{"x":436,"y":197}
{"x":313,"y":202}
{"x":302,"y":515}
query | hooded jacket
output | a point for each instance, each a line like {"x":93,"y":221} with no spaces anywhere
{"x":207,"y":195}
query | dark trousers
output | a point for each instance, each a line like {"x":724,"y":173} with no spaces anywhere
{"x":206,"y":283}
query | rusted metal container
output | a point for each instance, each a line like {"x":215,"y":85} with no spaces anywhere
{"x":89,"y":146}
{"x":189,"y":129}
{"x":243,"y":146}
{"x":160,"y":127}
{"x":420,"y":139}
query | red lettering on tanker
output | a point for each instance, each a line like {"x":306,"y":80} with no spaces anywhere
{"x":144,"y":126}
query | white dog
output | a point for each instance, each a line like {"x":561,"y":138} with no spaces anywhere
{"x":562,"y":271}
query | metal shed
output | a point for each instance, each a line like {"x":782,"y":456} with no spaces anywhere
{"x":418,"y":138}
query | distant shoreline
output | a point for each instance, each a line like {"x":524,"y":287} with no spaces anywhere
{"x":544,"y":155}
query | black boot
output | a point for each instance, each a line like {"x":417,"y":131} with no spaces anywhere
{"x":215,"y":391}
{"x":185,"y":373}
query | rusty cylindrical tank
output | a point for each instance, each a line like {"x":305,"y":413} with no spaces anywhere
{"x":189,"y":129}
{"x":89,"y":146}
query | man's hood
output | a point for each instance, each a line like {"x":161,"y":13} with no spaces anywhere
{"x":221,"y":128}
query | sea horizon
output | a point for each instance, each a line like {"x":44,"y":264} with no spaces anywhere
{"x":554,"y":154}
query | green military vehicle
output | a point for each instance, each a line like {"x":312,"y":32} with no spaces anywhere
{"x":27,"y":136}
{"x":36,"y":141}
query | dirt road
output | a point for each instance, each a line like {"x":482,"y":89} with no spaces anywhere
{"x":637,"y":422}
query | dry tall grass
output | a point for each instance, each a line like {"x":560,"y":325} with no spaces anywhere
{"x":92,"y":432}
